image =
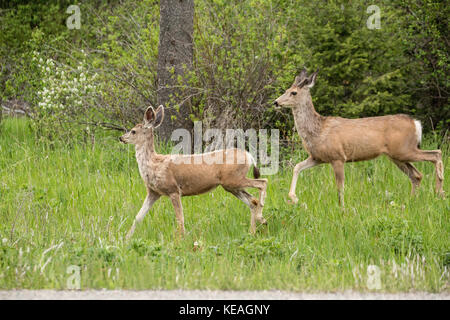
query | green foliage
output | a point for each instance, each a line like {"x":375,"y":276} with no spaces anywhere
{"x":144,"y":248}
{"x":123,"y":52}
{"x":116,"y":49}
{"x":260,"y":248}
{"x":246,"y":53}
{"x":426,"y":30}
{"x":361,"y":70}
{"x":63,"y":206}
{"x":394,"y":233}
{"x":24,"y":26}
{"x":66,"y":98}
{"x":82,"y":256}
{"x":239,"y":54}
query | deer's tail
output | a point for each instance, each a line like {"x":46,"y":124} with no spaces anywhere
{"x":418,"y":127}
{"x":256,"y":173}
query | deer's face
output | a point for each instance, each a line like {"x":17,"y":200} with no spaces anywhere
{"x":297,"y":91}
{"x":138,"y":135}
{"x":290,"y":98}
{"x":142,"y":133}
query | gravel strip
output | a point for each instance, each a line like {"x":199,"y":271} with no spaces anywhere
{"x":211,"y":295}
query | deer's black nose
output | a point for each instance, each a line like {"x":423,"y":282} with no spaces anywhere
{"x":120,"y":139}
{"x":275,"y":103}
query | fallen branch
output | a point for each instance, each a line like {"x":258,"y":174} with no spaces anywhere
{"x":105,"y":125}
{"x":10,"y":110}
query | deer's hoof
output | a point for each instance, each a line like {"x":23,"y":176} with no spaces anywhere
{"x":263,"y":221}
{"x":293,"y":199}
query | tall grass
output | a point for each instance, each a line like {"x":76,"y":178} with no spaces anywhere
{"x":72,"y":205}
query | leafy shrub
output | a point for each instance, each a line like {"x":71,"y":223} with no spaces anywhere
{"x":20,"y":21}
{"x":260,"y":248}
{"x":246,"y":53}
{"x":238,"y":57}
{"x":66,"y":99}
{"x":395,"y":233}
{"x":81,"y":256}
{"x":143,"y":248}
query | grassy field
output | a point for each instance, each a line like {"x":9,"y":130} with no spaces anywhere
{"x":63,"y":206}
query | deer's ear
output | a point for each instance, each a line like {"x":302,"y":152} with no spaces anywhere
{"x":149,"y":116}
{"x":159,"y":116}
{"x":301,"y":76}
{"x":312,"y":79}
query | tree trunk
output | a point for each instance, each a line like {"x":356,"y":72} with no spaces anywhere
{"x":175,"y":57}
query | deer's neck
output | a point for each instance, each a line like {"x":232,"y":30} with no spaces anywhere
{"x":144,"y":156}
{"x":307,"y":121}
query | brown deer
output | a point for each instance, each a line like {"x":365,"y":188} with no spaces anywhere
{"x":338,"y":140}
{"x":176,"y":176}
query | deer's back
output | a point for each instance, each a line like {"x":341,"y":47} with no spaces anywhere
{"x":364,"y":138}
{"x":200,"y":173}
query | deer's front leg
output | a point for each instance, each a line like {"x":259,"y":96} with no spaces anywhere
{"x":148,"y":203}
{"x":299,"y":167}
{"x":176,"y":201}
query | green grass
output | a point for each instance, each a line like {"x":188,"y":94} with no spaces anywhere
{"x":63,"y":206}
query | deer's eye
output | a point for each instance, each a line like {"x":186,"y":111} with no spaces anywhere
{"x":293,"y":93}
{"x":133,"y":131}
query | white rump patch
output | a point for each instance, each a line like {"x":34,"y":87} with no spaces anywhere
{"x":418,"y":131}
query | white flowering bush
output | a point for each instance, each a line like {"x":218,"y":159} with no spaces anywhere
{"x":66,"y":98}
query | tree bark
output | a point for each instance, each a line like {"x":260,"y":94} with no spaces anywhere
{"x":175,"y":55}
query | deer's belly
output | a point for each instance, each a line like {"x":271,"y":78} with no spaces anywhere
{"x":192,"y":190}
{"x":346,"y":152}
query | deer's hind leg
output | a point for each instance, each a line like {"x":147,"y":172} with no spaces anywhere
{"x":414,"y":175}
{"x":261,"y":185}
{"x":434,"y":156}
{"x":338,"y":167}
{"x":250,"y":201}
{"x":178,"y":207}
{"x":255,"y":205}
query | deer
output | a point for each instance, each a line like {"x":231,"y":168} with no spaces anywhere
{"x":337,"y":140}
{"x":178,"y":175}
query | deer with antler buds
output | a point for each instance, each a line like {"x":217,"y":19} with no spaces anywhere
{"x":176,"y":175}
{"x":338,"y":140}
